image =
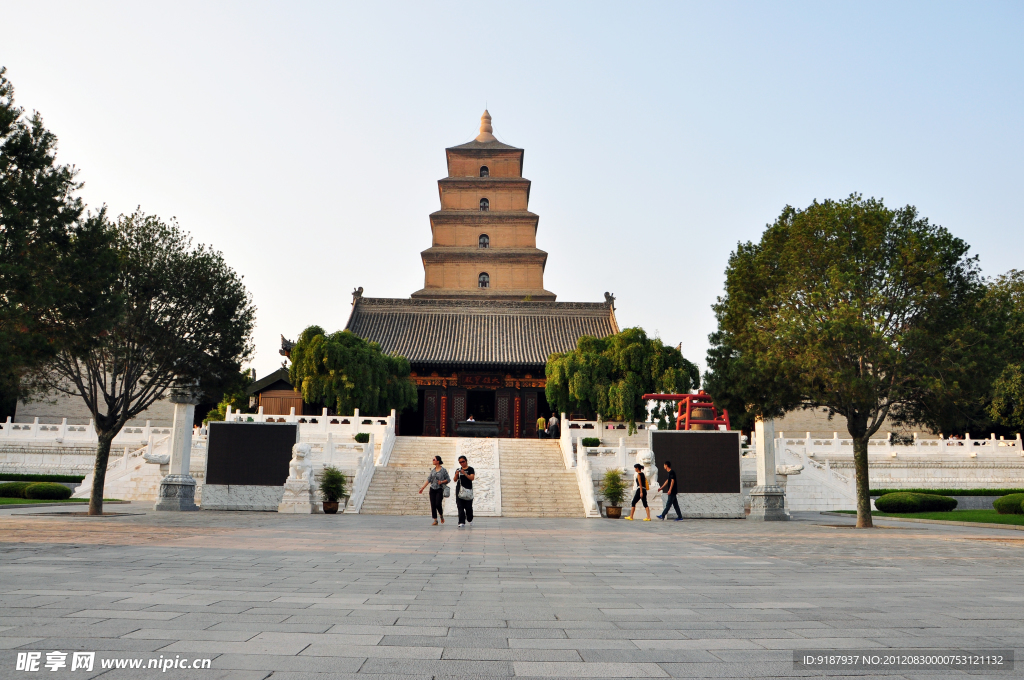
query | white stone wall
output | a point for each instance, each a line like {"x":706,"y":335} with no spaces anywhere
{"x":50,"y":409}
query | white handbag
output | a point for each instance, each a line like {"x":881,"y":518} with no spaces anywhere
{"x":465,"y":494}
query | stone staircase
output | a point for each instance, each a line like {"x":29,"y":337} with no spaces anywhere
{"x":534,"y":481}
{"x":393,"y":488}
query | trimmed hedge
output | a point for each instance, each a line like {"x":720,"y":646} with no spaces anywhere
{"x":904,"y":502}
{"x":949,"y":492}
{"x":47,"y":491}
{"x":40,"y":478}
{"x":362,"y":437}
{"x":1010,"y":505}
{"x":591,"y":441}
{"x":14,"y":489}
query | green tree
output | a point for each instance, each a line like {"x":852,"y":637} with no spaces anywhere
{"x":1007,"y":403}
{"x":343,"y":371}
{"x":610,"y":375}
{"x":233,"y":393}
{"x":864,"y":310}
{"x":56,"y":261}
{"x":184,"y":318}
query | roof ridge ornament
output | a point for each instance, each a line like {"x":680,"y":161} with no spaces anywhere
{"x":486,"y":131}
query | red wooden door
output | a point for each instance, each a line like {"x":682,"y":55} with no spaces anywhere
{"x":430,"y":412}
{"x":503,"y":413}
{"x":530,"y":414}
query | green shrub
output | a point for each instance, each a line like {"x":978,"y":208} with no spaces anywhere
{"x":949,"y":492}
{"x":1009,"y":505}
{"x":47,"y":491}
{"x":332,"y":484}
{"x":40,"y":478}
{"x":613,"y":488}
{"x":591,"y":441}
{"x":362,"y":437}
{"x":13,"y":489}
{"x":902,"y":502}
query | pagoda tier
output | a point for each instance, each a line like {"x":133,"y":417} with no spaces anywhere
{"x":484,"y":243}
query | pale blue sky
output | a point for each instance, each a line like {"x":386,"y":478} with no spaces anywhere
{"x":304,"y":140}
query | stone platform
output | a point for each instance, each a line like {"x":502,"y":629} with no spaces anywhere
{"x":356,"y":596}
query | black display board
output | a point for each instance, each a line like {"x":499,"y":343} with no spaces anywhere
{"x":704,"y":461}
{"x":254,"y":454}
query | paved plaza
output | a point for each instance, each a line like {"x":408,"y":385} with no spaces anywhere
{"x":352,"y":596}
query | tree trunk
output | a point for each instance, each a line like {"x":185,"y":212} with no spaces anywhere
{"x":860,"y":468}
{"x":99,"y":475}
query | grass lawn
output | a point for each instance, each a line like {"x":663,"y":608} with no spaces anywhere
{"x":25,"y":501}
{"x":990,"y":516}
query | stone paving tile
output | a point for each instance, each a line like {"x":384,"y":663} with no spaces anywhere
{"x":441,"y":668}
{"x":561,"y":669}
{"x":538,"y":598}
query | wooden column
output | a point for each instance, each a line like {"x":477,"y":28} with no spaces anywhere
{"x":518,"y":417}
{"x":444,"y":414}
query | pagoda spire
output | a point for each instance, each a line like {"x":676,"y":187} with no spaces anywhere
{"x":486,"y":131}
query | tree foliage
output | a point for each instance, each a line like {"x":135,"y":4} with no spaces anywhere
{"x":345,"y":372}
{"x":183,"y":319}
{"x":610,"y":375}
{"x":849,"y":305}
{"x":56,"y":263}
{"x":1007,"y":404}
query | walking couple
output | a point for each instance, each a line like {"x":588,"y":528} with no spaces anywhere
{"x":438,"y":480}
{"x":668,"y":486}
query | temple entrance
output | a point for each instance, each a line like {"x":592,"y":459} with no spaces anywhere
{"x":480,"y":404}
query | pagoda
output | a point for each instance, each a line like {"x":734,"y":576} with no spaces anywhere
{"x":484,"y":244}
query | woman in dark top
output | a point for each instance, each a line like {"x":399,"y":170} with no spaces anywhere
{"x":641,"y":492}
{"x":464,"y":476}
{"x":437,"y":478}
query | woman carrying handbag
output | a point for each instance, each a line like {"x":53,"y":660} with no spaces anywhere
{"x":438,"y":480}
{"x":464,"y":476}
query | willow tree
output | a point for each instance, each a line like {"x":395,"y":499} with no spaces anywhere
{"x":345,"y":372}
{"x":610,"y":375}
{"x":854,"y":307}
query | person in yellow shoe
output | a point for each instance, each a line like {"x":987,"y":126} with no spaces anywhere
{"x":641,"y":492}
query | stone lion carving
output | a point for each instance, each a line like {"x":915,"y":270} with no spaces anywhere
{"x":301,"y":467}
{"x":157,"y":458}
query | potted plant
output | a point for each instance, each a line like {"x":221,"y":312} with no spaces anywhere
{"x":614,"y":491}
{"x":591,"y":442}
{"x":362,"y":437}
{"x":332,"y":487}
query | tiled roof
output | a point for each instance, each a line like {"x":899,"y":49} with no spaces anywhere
{"x":488,"y":146}
{"x":478,"y":332}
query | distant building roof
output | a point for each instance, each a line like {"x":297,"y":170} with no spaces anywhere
{"x":478,"y":332}
{"x":280,"y":375}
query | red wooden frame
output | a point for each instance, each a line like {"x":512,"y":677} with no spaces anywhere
{"x":688,"y":402}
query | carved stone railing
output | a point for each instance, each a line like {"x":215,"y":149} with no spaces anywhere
{"x":364,"y":474}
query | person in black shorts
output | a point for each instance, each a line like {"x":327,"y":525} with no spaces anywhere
{"x":671,"y":489}
{"x":641,"y":492}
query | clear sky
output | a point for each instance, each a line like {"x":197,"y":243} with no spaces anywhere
{"x":304,"y":140}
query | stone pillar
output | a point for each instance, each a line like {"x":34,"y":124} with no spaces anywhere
{"x":178,"y":488}
{"x":767,"y":499}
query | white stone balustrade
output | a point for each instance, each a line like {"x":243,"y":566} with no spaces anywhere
{"x":70,"y":435}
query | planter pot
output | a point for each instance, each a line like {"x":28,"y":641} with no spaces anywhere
{"x":614,"y":511}
{"x":331,"y":508}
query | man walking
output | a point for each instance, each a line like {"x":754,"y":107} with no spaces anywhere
{"x":553,"y":427}
{"x":670,"y":489}
{"x":541,"y":426}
